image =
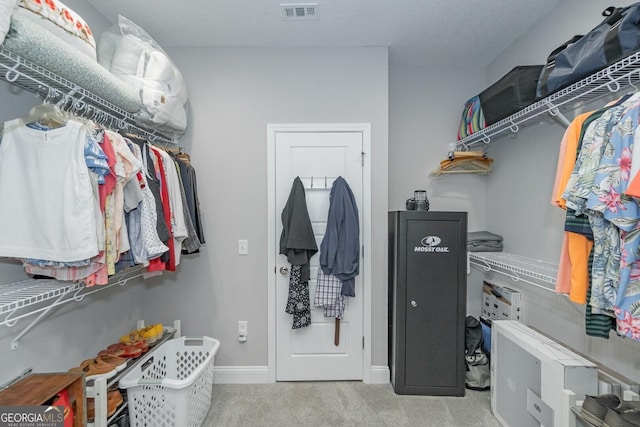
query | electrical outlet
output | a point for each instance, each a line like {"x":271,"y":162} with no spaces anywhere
{"x":242,"y":330}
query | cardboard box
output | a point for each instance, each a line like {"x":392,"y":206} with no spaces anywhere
{"x":501,"y":303}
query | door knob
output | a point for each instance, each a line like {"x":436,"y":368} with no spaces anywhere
{"x":284,"y":271}
{"x":414,"y":303}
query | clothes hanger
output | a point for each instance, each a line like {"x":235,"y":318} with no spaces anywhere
{"x":47,"y":113}
{"x":475,"y":162}
{"x":631,"y":83}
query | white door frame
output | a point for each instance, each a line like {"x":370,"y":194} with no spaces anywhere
{"x":365,"y":129}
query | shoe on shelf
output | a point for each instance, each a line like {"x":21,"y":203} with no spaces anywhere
{"x":135,"y":338}
{"x":114,"y":400}
{"x":159,"y":330}
{"x":122,"y":350}
{"x":622,"y":418}
{"x":132,"y":336}
{"x":594,"y":408}
{"x":148,"y":333}
{"x":119,"y":363}
{"x":91,"y":409}
{"x":94,"y":368}
{"x":627,"y":405}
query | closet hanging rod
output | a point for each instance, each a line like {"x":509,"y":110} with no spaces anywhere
{"x":605,"y":82}
{"x":38,"y":80}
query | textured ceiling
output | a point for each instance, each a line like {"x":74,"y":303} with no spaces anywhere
{"x":438,"y":32}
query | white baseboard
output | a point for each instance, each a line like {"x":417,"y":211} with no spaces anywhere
{"x":241,"y":374}
{"x":380,"y":375}
{"x":260,"y":375}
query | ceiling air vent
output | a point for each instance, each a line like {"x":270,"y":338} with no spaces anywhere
{"x":299,"y":12}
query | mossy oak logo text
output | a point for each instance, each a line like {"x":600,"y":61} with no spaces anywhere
{"x":431,"y":244}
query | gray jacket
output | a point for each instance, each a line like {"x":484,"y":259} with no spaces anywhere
{"x":297,"y":240}
{"x":340,"y":247}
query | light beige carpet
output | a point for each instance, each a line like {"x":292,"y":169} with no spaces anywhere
{"x":345,"y":403}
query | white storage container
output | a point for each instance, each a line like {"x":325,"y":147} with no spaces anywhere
{"x":172,"y":386}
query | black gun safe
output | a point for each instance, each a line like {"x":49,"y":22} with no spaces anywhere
{"x":427,"y":302}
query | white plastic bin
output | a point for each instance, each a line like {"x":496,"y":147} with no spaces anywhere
{"x":172,"y":385}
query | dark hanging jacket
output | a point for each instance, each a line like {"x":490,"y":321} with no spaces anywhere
{"x":297,"y":240}
{"x":340,"y":247}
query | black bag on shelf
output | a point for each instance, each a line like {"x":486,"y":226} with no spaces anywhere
{"x":617,"y":36}
{"x":513,"y":92}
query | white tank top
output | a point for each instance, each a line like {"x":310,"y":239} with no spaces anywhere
{"x":46,"y":201}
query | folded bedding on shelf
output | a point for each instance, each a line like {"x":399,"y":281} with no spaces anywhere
{"x":134,"y":57}
{"x":484,"y":241}
{"x":61,"y":21}
{"x":34,"y":43}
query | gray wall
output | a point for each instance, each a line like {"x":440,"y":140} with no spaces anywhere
{"x":519,"y":193}
{"x":425,"y":104}
{"x":234,"y":94}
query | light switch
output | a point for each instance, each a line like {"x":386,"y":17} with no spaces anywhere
{"x":243,"y":247}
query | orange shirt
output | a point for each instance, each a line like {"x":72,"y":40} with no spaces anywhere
{"x":567,"y":158}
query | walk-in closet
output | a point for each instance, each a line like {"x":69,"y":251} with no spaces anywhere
{"x":322,"y":213}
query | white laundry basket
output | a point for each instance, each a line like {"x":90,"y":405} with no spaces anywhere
{"x":172,"y":385}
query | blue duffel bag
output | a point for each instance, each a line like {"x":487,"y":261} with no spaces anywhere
{"x":613,"y":39}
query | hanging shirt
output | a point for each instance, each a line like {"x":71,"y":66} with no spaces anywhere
{"x":340,"y":247}
{"x":567,"y":158}
{"x":329,"y":295}
{"x":47,"y":210}
{"x":153,"y":246}
{"x":622,"y":211}
{"x":177,"y":218}
{"x":170,"y":263}
{"x":127,"y":166}
{"x":189,"y":185}
{"x":191,"y":243}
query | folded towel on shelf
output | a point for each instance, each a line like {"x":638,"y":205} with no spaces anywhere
{"x":488,"y":246}
{"x":477,"y":236}
{"x":484,"y":241}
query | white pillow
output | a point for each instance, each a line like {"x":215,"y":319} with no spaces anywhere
{"x":7,"y":7}
{"x":61,"y":21}
{"x":127,"y":57}
{"x":107,"y":45}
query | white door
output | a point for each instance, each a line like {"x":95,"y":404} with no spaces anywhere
{"x":309,"y":353}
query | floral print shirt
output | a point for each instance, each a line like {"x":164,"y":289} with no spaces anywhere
{"x":607,"y":199}
{"x":594,"y":140}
